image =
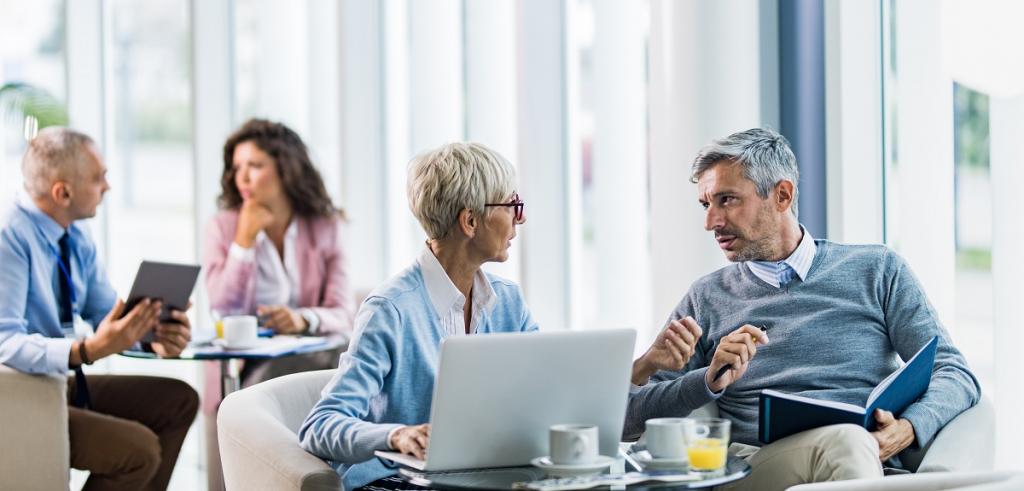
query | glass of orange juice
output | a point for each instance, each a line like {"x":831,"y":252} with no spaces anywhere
{"x":708,"y":445}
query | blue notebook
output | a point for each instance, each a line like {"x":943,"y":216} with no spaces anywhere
{"x":784,"y":414}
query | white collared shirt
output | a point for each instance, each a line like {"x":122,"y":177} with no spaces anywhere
{"x":772,"y":272}
{"x":277,"y":281}
{"x":448,"y":301}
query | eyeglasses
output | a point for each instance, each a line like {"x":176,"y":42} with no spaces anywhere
{"x":516,"y":202}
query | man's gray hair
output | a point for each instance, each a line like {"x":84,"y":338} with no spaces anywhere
{"x":56,"y":153}
{"x":454,"y":177}
{"x":763,"y":154}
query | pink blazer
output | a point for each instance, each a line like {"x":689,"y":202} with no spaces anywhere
{"x":323,"y":284}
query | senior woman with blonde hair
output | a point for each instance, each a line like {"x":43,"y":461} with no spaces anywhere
{"x":463,"y":194}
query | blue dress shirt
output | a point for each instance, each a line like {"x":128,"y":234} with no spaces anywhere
{"x":31,"y":338}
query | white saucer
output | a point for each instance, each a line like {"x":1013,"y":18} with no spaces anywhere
{"x":645,"y":459}
{"x":223,"y":344}
{"x":564,"y":470}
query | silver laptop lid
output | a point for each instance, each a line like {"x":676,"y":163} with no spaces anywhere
{"x":496,"y":394}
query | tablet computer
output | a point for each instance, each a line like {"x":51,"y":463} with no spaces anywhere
{"x":170,"y":283}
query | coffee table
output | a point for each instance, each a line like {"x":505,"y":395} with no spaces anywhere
{"x":736,"y":468}
{"x":231,"y":360}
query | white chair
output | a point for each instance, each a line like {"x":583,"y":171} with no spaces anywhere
{"x":258,"y":432}
{"x":34,"y":431}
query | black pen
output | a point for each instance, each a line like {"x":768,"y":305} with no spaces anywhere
{"x":728,"y":366}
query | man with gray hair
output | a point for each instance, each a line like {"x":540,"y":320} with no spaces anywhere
{"x":840,"y":318}
{"x":125,"y":430}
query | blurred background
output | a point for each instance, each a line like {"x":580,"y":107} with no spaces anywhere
{"x":906,"y":117}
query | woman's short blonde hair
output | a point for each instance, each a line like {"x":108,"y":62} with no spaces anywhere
{"x":454,"y":177}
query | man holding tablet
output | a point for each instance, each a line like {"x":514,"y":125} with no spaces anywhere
{"x":125,"y":430}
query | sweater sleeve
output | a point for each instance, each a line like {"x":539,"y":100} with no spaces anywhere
{"x":336,"y":428}
{"x":911,"y":322}
{"x":672,"y":393}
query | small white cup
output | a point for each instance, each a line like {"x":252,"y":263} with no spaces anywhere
{"x":667,"y":437}
{"x":573,"y":444}
{"x":240,"y":331}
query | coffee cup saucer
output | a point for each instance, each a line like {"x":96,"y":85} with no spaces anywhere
{"x":599,"y":464}
{"x":645,"y":459}
{"x":223,"y":344}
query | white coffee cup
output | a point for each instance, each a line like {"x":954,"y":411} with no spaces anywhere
{"x":573,"y":444}
{"x":666,"y":437}
{"x":240,"y":331}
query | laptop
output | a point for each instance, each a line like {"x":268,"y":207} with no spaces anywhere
{"x":496,"y":395}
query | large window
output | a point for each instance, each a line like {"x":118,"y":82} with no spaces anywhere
{"x":951,"y":85}
{"x":150,"y":163}
{"x":31,"y":52}
{"x":610,"y":126}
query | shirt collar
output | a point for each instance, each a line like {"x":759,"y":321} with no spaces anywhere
{"x":290,"y":233}
{"x":47,"y":226}
{"x":443,"y":293}
{"x":800,"y":260}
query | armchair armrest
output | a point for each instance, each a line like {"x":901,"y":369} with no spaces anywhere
{"x":964,"y":444}
{"x":34,"y":413}
{"x":975,"y":481}
{"x":256,"y":430}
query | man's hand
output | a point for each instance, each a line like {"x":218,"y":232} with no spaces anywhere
{"x":172,"y":337}
{"x":252,"y":217}
{"x":412,"y":440}
{"x":282,"y":319}
{"x":115,"y":334}
{"x":735,"y":349}
{"x":670,"y":351}
{"x":893,"y":435}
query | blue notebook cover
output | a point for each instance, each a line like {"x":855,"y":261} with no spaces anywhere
{"x":784,"y":414}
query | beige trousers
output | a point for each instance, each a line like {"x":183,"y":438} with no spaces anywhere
{"x":829,"y":453}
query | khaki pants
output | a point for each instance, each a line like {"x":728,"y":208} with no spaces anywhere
{"x":131,"y":437}
{"x":829,"y":453}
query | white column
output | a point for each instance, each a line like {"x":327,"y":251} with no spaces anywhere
{"x":922,"y":226}
{"x":212,"y":114}
{"x":324,"y":92}
{"x":363,"y":162}
{"x":435,"y":85}
{"x":212,"y":101}
{"x":1006,"y":125}
{"x":435,"y":73}
{"x":399,"y":239}
{"x":282,"y":69}
{"x":87,"y":103}
{"x":490,"y":65}
{"x":692,"y":101}
{"x":620,"y":166}
{"x":853,"y":100}
{"x":544,"y":128}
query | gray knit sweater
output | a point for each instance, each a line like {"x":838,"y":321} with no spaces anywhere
{"x":834,"y":336}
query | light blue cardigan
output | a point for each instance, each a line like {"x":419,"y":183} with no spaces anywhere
{"x":386,"y":378}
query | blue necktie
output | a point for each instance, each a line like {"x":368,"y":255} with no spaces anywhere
{"x":82,"y":398}
{"x":786,"y":275}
